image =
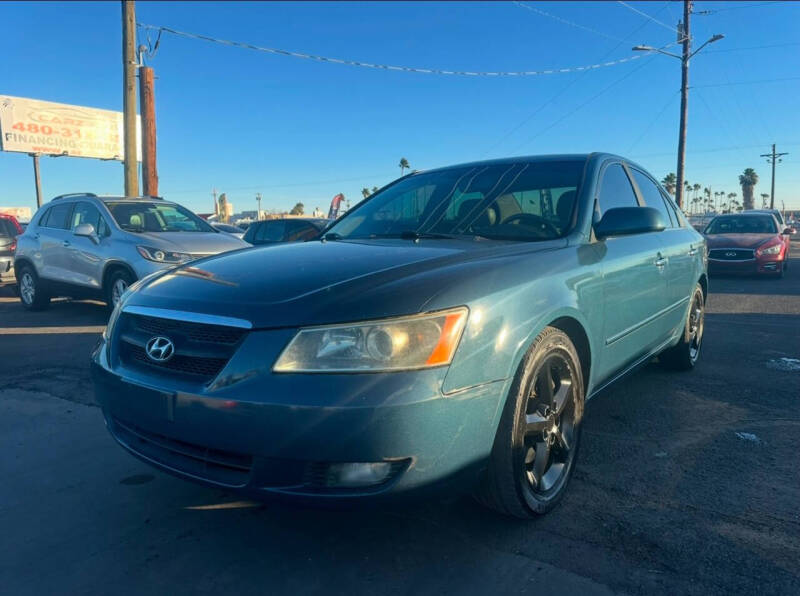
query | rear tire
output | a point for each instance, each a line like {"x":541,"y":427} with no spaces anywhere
{"x":537,"y":441}
{"x":685,"y":354}
{"x":116,"y":284}
{"x":32,"y":293}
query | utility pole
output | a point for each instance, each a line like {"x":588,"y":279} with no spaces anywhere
{"x":129,"y":97}
{"x":216,"y":208}
{"x":148,"y":110}
{"x":684,"y":37}
{"x":258,"y":200}
{"x":772,"y":158}
{"x":683,"y":30}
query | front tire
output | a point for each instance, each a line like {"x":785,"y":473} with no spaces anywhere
{"x":537,"y":441}
{"x":685,"y":354}
{"x":32,"y":292}
{"x":116,"y":284}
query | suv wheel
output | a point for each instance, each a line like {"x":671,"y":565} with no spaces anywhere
{"x":32,"y":294}
{"x":537,"y":441}
{"x":685,"y":354}
{"x":116,"y":284}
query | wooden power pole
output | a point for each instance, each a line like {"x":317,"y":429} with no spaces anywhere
{"x":129,"y":97}
{"x":772,"y":158}
{"x":686,"y":42}
{"x":38,"y":179}
{"x":147,"y":108}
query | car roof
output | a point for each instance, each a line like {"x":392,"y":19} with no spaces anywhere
{"x":525,"y":159}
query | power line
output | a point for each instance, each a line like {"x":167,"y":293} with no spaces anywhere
{"x":566,"y":22}
{"x":739,"y":7}
{"x":582,"y":105}
{"x":564,"y":89}
{"x":647,"y":16}
{"x":653,"y":121}
{"x":525,"y":73}
{"x":756,"y":82}
{"x":772,"y":45}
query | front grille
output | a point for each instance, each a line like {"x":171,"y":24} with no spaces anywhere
{"x":206,"y":367}
{"x":216,"y":465}
{"x":201,"y":350}
{"x":731,"y":254}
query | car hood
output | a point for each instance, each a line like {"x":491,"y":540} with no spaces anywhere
{"x":289,"y":285}
{"x":737,"y":240}
{"x":200,"y":243}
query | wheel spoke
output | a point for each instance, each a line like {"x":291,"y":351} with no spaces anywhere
{"x":535,"y":424}
{"x":540,"y":463}
{"x":563,"y":439}
{"x":562,"y":395}
{"x":545,"y":385}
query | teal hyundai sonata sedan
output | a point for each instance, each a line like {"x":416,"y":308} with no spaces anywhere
{"x":444,"y":335}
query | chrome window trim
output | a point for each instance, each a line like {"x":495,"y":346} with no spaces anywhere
{"x":186,"y":316}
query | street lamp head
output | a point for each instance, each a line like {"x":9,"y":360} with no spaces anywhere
{"x":717,"y":37}
{"x":643,"y":49}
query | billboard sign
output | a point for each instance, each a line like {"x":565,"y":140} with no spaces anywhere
{"x":48,"y":128}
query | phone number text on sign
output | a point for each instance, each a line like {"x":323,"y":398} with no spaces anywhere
{"x":34,"y":126}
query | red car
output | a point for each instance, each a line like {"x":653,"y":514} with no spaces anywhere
{"x":747,"y":243}
{"x":9,"y":230}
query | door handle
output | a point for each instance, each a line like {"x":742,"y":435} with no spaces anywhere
{"x":660,"y":262}
{"x":692,"y":251}
{"x":65,"y":243}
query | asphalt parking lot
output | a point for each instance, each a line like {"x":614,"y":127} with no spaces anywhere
{"x":686,"y":483}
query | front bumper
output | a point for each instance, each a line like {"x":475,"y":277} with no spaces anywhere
{"x":760,"y":266}
{"x":276,"y":435}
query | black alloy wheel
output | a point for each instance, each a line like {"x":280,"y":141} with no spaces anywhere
{"x":537,"y":440}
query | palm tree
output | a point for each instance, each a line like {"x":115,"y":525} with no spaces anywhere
{"x":696,"y":188}
{"x":669,"y":182}
{"x":723,"y":207}
{"x":748,"y":179}
{"x":365,"y":192}
{"x":764,"y":197}
{"x":404,"y":165}
{"x":374,"y":190}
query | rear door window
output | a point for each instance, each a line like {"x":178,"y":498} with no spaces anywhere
{"x":615,"y":190}
{"x":271,"y":231}
{"x":298,"y":231}
{"x":652,"y":196}
{"x":58,"y":216}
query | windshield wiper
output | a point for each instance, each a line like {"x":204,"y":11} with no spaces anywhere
{"x":415,"y":235}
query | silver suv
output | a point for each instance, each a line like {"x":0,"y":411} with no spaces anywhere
{"x":87,"y":246}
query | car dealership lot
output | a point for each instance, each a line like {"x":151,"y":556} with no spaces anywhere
{"x":685,"y":483}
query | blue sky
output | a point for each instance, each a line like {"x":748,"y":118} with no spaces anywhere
{"x":298,"y":130}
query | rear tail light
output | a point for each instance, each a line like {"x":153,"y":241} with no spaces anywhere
{"x":13,"y":246}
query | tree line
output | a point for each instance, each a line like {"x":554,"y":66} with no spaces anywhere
{"x":699,"y":198}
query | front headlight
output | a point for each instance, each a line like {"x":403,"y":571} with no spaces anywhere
{"x":163,"y":256}
{"x":770,"y":250}
{"x":405,"y":343}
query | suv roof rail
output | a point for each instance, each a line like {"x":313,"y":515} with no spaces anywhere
{"x":74,"y":194}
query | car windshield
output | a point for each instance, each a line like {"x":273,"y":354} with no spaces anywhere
{"x":743,"y":224}
{"x":140,"y":216}
{"x":523,"y":201}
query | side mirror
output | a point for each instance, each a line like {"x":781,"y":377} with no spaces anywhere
{"x":790,"y":231}
{"x":625,"y":221}
{"x":87,"y":230}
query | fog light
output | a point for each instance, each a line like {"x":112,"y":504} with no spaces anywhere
{"x":358,"y":474}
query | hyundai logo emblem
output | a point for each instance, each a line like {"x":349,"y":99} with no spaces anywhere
{"x":730,"y":254}
{"x":159,"y":348}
